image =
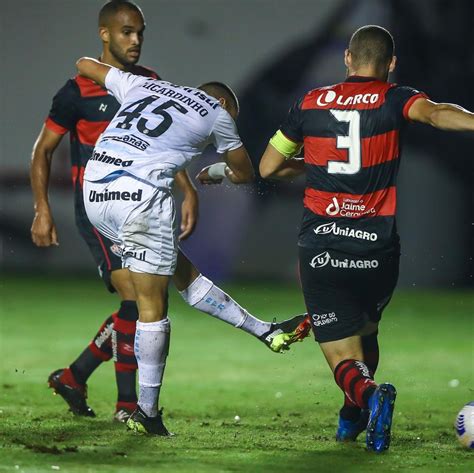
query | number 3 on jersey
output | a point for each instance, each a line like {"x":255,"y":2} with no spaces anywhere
{"x":134,"y":111}
{"x":351,"y":142}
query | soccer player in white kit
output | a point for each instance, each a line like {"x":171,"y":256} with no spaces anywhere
{"x":158,"y":130}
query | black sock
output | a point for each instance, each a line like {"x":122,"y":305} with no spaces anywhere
{"x":98,"y":350}
{"x":122,"y":344}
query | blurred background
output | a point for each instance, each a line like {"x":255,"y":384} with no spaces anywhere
{"x":270,"y":52}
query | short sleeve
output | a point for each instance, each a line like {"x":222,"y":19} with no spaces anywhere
{"x":292,"y":126}
{"x":225,"y":136}
{"x":62,"y":116}
{"x":120,"y":83}
{"x":403,"y":97}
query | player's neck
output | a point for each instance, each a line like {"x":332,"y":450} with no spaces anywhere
{"x":366,"y":72}
{"x":107,"y":58}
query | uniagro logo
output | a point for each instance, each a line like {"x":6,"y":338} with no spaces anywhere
{"x":328,"y":228}
{"x":323,"y":259}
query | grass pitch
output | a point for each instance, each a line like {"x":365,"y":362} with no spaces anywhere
{"x":287,"y":403}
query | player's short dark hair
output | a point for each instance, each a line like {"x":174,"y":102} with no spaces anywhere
{"x":219,"y":89}
{"x":371,"y":45}
{"x":110,"y":9}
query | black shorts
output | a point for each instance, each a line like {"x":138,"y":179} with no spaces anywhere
{"x":342,"y":292}
{"x":105,"y":252}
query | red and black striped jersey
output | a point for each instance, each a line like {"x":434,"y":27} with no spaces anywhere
{"x":84,"y":109}
{"x":351,"y":135}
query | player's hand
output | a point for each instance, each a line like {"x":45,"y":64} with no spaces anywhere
{"x":203,"y":177}
{"x":189,"y":214}
{"x":43,"y":230}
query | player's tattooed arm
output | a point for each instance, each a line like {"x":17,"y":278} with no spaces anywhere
{"x":190,"y":205}
{"x":93,"y":69}
{"x":43,"y":229}
{"x":444,"y":116}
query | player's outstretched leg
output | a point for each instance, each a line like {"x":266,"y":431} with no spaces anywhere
{"x":381,"y":405}
{"x":70,"y":383}
{"x":205,"y":296}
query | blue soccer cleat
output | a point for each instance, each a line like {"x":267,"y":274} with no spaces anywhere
{"x":348,"y":431}
{"x":381,"y":405}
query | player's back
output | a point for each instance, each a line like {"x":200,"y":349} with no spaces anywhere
{"x":351,"y":149}
{"x":159,"y":127}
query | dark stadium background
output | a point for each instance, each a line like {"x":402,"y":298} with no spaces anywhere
{"x":270,"y":52}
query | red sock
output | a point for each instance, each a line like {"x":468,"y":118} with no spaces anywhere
{"x":354,"y":378}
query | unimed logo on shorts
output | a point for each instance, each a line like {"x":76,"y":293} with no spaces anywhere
{"x":95,"y":196}
{"x":324,"y":319}
{"x":323,"y":259}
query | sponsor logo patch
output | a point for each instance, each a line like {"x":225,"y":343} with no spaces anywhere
{"x":105,"y":158}
{"x":331,"y":97}
{"x":131,"y":140}
{"x":95,"y":196}
{"x":332,"y":228}
{"x":324,"y":319}
{"x":324,"y":259}
{"x":348,"y":208}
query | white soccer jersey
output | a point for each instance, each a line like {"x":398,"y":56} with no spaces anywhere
{"x":158,"y":130}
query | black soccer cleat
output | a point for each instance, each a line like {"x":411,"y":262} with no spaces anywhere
{"x":282,"y":334}
{"x":64,"y":384}
{"x":139,"y":422}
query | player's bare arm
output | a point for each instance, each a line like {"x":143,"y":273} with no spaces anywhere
{"x":190,"y":205}
{"x":444,"y":116}
{"x":278,"y":163}
{"x":93,"y":69}
{"x":240,"y":167}
{"x":43,"y":229}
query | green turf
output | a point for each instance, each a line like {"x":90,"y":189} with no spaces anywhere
{"x":287,"y":403}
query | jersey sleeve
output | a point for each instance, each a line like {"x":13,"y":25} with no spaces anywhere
{"x":120,"y":83}
{"x":62,"y":116}
{"x":403,"y":97}
{"x":224,"y":135}
{"x":292,"y":126}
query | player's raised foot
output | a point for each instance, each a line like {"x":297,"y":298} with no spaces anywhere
{"x":63,"y":383}
{"x":381,"y":405}
{"x":139,"y":422}
{"x":348,"y":431}
{"x":282,"y":334}
{"x":123,"y":411}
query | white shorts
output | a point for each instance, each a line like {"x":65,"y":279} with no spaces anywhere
{"x":140,"y":218}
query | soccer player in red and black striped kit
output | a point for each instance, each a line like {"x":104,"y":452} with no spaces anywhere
{"x":84,"y":109}
{"x":348,"y":244}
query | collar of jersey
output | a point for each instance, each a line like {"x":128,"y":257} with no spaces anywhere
{"x":360,"y":79}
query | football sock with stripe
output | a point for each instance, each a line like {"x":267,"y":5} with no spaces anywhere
{"x":152,"y":341}
{"x":354,"y":378}
{"x":123,"y":339}
{"x":370,"y":347}
{"x":205,"y":296}
{"x":98,"y":350}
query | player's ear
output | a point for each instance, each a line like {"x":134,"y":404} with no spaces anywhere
{"x":393,"y":63}
{"x":223,"y":102}
{"x":104,"y":34}
{"x":347,"y":58}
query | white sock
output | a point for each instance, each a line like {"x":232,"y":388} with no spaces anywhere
{"x":152,"y":341}
{"x":210,"y":299}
